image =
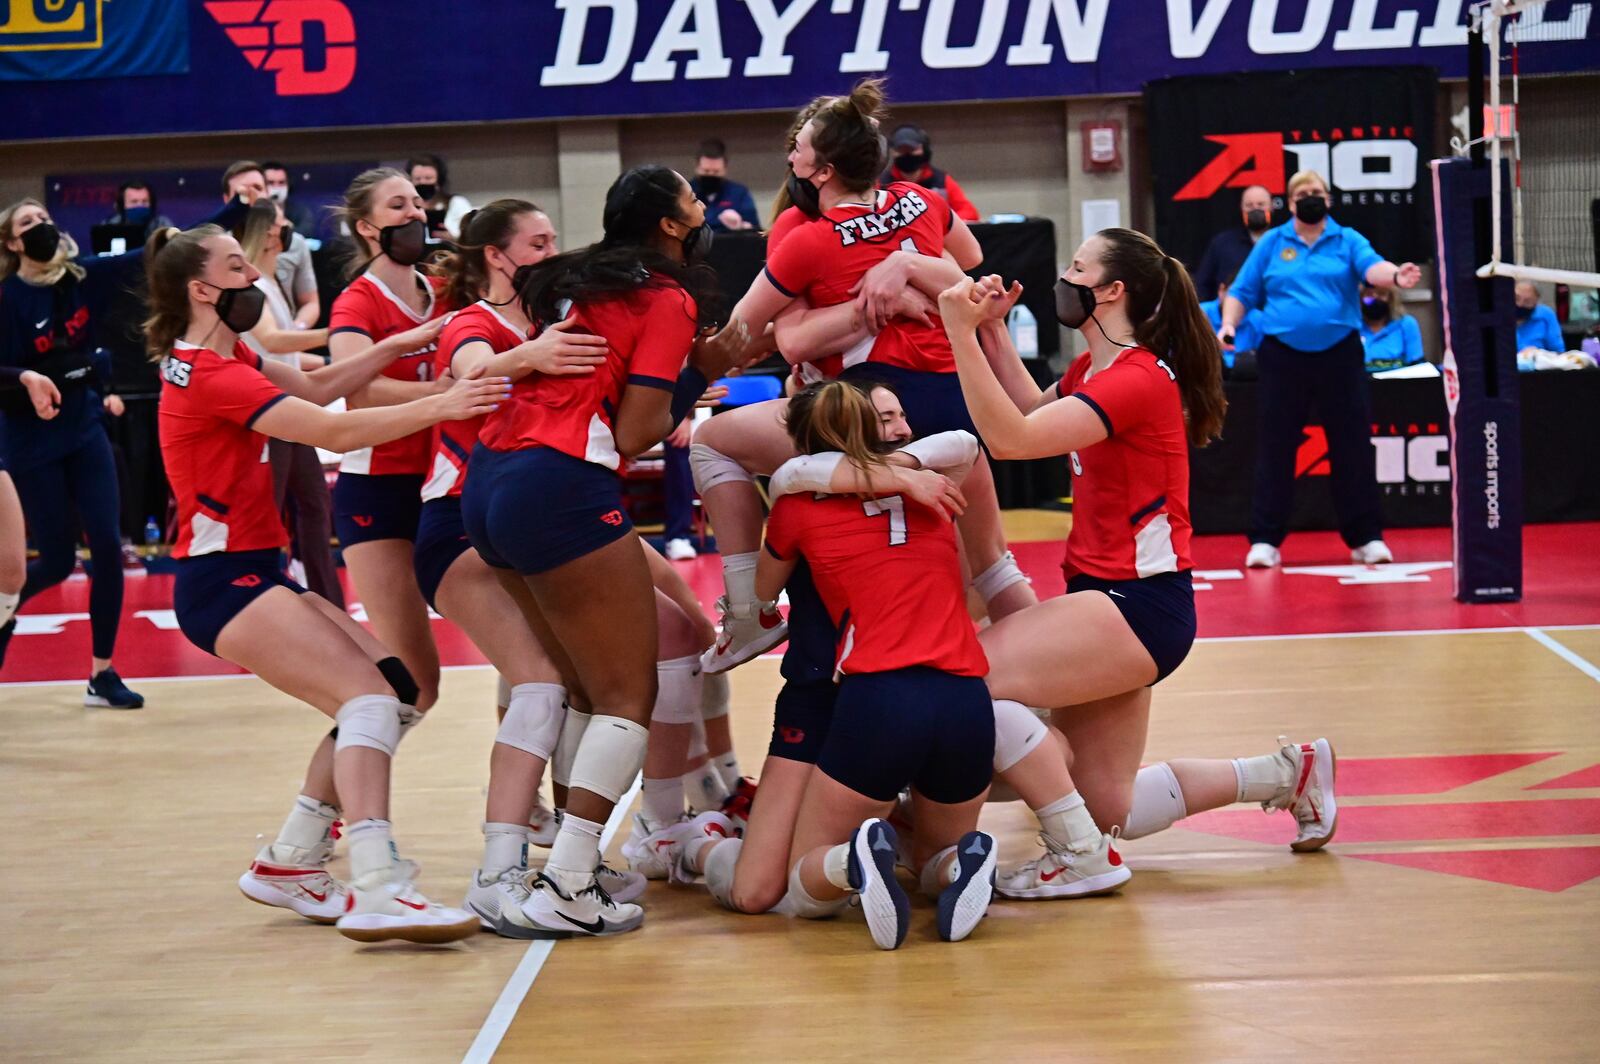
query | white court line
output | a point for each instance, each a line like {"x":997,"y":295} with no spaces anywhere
{"x":1572,"y":658}
{"x":516,"y":989}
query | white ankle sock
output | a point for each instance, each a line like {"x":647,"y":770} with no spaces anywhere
{"x":372,"y":848}
{"x":1261,"y":779}
{"x":1067,"y":823}
{"x":504,"y":846}
{"x":739,"y":578}
{"x":307,"y":824}
{"x":577,"y":847}
{"x":663,"y":801}
{"x":728,"y":769}
{"x":836,"y":866}
{"x":937,"y":872}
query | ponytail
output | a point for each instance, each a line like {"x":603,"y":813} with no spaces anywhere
{"x":846,"y":134}
{"x":1167,"y":320}
{"x":835,"y":416}
{"x":466,"y":269}
{"x":172,"y":258}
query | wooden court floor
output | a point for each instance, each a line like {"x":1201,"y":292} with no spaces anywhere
{"x":1453,"y":920}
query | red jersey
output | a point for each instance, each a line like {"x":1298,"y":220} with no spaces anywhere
{"x":889,"y":573}
{"x":368,"y":307}
{"x":648,"y":334}
{"x":217,"y":464}
{"x":1130,"y":492}
{"x":822,"y":259}
{"x":453,"y":440}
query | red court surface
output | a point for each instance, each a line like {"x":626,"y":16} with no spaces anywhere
{"x":1318,"y":590}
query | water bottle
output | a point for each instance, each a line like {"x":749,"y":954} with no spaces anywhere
{"x":152,"y":533}
{"x":1024,"y":330}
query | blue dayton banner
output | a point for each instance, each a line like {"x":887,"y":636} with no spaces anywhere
{"x":54,"y":40}
{"x":273,"y":64}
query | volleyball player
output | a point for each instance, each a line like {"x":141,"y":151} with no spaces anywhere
{"x":852,"y":228}
{"x":13,"y":532}
{"x":543,"y":500}
{"x":377,"y":499}
{"x":912,"y":708}
{"x":1125,"y":415}
{"x":219,"y":404}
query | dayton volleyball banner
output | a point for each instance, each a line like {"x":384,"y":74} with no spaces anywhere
{"x":274,"y":64}
{"x":54,"y":40}
{"x":1368,"y":132}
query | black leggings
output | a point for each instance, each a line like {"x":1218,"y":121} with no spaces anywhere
{"x":58,"y":498}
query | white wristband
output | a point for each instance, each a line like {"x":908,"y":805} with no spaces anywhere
{"x":806,"y":473}
{"x":944,"y":451}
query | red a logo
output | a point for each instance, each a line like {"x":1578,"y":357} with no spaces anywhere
{"x":272,"y":37}
{"x":1311,"y":460}
{"x":1246,"y":159}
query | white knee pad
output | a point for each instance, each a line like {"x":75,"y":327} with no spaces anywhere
{"x":999,"y":576}
{"x":567,"y":747}
{"x":715,"y":694}
{"x":610,"y":756}
{"x":372,"y":721}
{"x":711,"y":467}
{"x":1016,"y":732}
{"x":502,"y":692}
{"x":533,"y":719}
{"x":8,"y":607}
{"x":798,"y":903}
{"x":1157,"y":802}
{"x":719,"y":869}
{"x":677,"y":691}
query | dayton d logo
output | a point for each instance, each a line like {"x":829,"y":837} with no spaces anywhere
{"x":50,"y":25}
{"x":273,"y":36}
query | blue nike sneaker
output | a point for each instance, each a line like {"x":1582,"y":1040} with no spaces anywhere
{"x":107,"y":689}
{"x":871,"y":871}
{"x":963,"y":903}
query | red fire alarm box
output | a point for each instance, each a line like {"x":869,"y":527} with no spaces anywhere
{"x":1102,"y":146}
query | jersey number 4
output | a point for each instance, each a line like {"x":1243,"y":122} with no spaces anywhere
{"x":894,"y":507}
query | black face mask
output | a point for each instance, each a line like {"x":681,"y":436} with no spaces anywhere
{"x":1256,"y":220}
{"x":910,"y":164}
{"x":404,"y":244}
{"x":427,"y":192}
{"x":136,"y":215}
{"x":1374,"y":309}
{"x":710,"y":186}
{"x":40,"y":242}
{"x":239,"y":308}
{"x":1074,"y":303}
{"x":1524,"y":313}
{"x":1311,"y":210}
{"x":697,"y":243}
{"x":519,"y":283}
{"x":805,"y":195}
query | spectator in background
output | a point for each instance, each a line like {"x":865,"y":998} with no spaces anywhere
{"x":729,"y":206}
{"x":248,"y":181}
{"x":136,"y":205}
{"x":299,"y":215}
{"x":911,"y":152}
{"x":1537,"y":326}
{"x":1229,"y":248}
{"x":1391,"y":336}
{"x":677,"y":486}
{"x":1246,"y":338}
{"x":432,"y":180}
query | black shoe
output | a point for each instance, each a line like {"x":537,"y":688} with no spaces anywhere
{"x":107,"y":689}
{"x":963,"y":903}
{"x":7,"y":630}
{"x":871,"y":871}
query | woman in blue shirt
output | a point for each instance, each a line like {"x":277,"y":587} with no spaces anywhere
{"x":1391,"y":336}
{"x":1306,"y":276}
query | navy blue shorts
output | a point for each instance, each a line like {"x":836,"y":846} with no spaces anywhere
{"x":367,"y":507}
{"x":213,"y":589}
{"x":801,"y":720}
{"x":813,"y":637}
{"x":441,"y":539}
{"x":1159,"y":609}
{"x":918,"y":726}
{"x":932,"y":401}
{"x":538,"y":508}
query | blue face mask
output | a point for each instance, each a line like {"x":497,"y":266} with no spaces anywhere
{"x":136,"y":215}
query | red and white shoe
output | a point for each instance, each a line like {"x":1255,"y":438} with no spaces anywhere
{"x":747,"y":632}
{"x":543,"y":824}
{"x":1066,"y":874}
{"x":306,"y":890}
{"x":710,"y":826}
{"x":737,"y":806}
{"x":387,"y":907}
{"x":1311,"y":799}
{"x":652,"y":850}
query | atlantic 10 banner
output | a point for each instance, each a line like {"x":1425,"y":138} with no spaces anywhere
{"x":1368,"y":131}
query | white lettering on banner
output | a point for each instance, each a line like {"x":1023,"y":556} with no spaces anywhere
{"x":1424,"y":459}
{"x":569,"y":69}
{"x":1344,"y":165}
{"x":1531,"y":25}
{"x":1491,"y":483}
{"x":705,"y":40}
{"x":868,"y":54}
{"x":772,"y":60}
{"x":1363,"y":32}
{"x":1080,"y":31}
{"x":937,"y":51}
{"x":1447,"y":30}
{"x":1266,"y":39}
{"x":1191,"y":36}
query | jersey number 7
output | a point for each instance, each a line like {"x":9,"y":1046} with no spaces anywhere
{"x":895,"y":507}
